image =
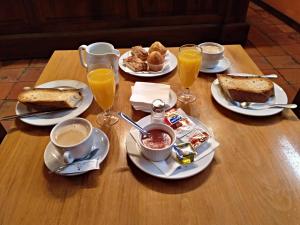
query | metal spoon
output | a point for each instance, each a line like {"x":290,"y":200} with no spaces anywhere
{"x":130,"y":121}
{"x":258,"y":106}
{"x":90,"y":155}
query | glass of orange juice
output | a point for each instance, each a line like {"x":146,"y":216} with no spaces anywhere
{"x":189,"y":62}
{"x":101,"y":80}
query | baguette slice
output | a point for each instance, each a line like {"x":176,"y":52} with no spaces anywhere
{"x":246,"y":89}
{"x":51,"y":98}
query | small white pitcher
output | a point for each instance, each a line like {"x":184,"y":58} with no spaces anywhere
{"x":99,"y":52}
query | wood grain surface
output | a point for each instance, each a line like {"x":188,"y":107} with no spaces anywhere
{"x":253,"y":179}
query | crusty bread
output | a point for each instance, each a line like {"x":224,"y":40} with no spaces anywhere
{"x":52,"y":98}
{"x":246,"y":89}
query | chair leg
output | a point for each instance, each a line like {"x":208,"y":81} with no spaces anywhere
{"x":2,"y":132}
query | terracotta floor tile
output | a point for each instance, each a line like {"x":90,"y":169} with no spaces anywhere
{"x":280,"y":80}
{"x":293,"y":49}
{"x":290,"y":92}
{"x":38,"y":62}
{"x":274,"y":20}
{"x":257,"y":38}
{"x":271,"y":50}
{"x":5,"y":88}
{"x":15,"y":63}
{"x":296,"y":58}
{"x":291,"y":75}
{"x":10,"y":74}
{"x":283,"y":39}
{"x":254,"y":6}
{"x":285,"y":28}
{"x":252,"y":51}
{"x":261,"y":62}
{"x":17,"y":88}
{"x":8,"y":108}
{"x":31,"y":74}
{"x":280,"y":62}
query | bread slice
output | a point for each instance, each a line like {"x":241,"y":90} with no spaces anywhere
{"x":51,"y":98}
{"x":246,"y":89}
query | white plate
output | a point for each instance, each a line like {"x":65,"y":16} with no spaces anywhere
{"x":279,"y":98}
{"x":56,"y":117}
{"x":223,"y":65}
{"x":148,"y":167}
{"x":170,"y":64}
{"x":53,"y":158}
{"x":172,"y":102}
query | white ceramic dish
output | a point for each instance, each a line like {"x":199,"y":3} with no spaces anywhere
{"x":172,"y":102}
{"x":56,"y":117}
{"x":280,"y":97}
{"x":170,"y":65}
{"x":223,"y":65}
{"x":149,"y":168}
{"x":54,"y":159}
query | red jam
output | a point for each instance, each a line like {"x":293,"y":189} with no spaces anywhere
{"x":158,"y":139}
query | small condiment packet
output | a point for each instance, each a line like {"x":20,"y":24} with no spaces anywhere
{"x":196,"y":137}
{"x":143,"y":94}
{"x":179,"y":121}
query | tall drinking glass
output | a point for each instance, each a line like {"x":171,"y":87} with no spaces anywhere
{"x":101,"y":80}
{"x":189,"y":62}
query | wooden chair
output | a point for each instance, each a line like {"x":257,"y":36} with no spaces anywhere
{"x":2,"y":132}
{"x":297,"y":101}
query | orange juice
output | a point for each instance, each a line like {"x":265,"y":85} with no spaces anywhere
{"x":102,"y":83}
{"x":189,"y":65}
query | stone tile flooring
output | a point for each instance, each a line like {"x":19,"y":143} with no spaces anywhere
{"x":272,"y":45}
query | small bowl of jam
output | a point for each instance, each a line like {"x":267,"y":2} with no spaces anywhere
{"x":158,"y":145}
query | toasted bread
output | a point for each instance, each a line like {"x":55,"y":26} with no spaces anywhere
{"x":52,"y":98}
{"x":246,"y":89}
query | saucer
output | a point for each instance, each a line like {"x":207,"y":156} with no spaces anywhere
{"x":223,"y":65}
{"x":53,"y":158}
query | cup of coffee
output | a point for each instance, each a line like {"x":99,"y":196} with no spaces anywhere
{"x":73,"y":138}
{"x":211,"y":54}
{"x":158,"y":145}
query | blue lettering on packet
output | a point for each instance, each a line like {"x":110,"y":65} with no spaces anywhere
{"x":175,"y":118}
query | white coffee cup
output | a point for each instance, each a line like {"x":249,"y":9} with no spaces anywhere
{"x":100,"y":53}
{"x":211,"y":54}
{"x":73,"y":138}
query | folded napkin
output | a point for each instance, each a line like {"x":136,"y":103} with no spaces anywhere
{"x":84,"y":165}
{"x":143,"y":94}
{"x":168,"y":166}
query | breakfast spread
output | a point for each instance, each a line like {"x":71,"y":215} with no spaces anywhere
{"x":246,"y":89}
{"x":143,"y":60}
{"x":51,"y":97}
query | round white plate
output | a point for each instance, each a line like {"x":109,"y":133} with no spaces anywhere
{"x":53,"y":158}
{"x":149,"y":168}
{"x":223,"y":65}
{"x":56,"y":117}
{"x":172,"y":102}
{"x":279,"y":98}
{"x":170,"y":64}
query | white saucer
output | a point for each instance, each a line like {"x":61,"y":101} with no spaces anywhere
{"x":56,"y":117}
{"x":170,"y":65}
{"x":280,"y":97}
{"x":53,"y":158}
{"x":223,"y":65}
{"x":149,"y":168}
{"x":172,"y":102}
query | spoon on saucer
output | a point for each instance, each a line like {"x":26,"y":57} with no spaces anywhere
{"x":90,"y":155}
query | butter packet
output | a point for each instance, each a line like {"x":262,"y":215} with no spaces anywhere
{"x":179,"y":121}
{"x":196,"y":138}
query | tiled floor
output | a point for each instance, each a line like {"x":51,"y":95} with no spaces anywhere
{"x":273,"y":46}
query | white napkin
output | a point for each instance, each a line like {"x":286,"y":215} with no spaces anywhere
{"x":168,"y":166}
{"x":143,"y":94}
{"x":84,"y":165}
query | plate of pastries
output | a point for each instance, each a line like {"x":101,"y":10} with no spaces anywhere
{"x":152,"y":61}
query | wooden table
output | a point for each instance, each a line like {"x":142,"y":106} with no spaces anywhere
{"x":253,"y":179}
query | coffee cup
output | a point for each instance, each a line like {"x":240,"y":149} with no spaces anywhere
{"x":162,"y":150}
{"x":73,"y":138}
{"x":211,"y":54}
